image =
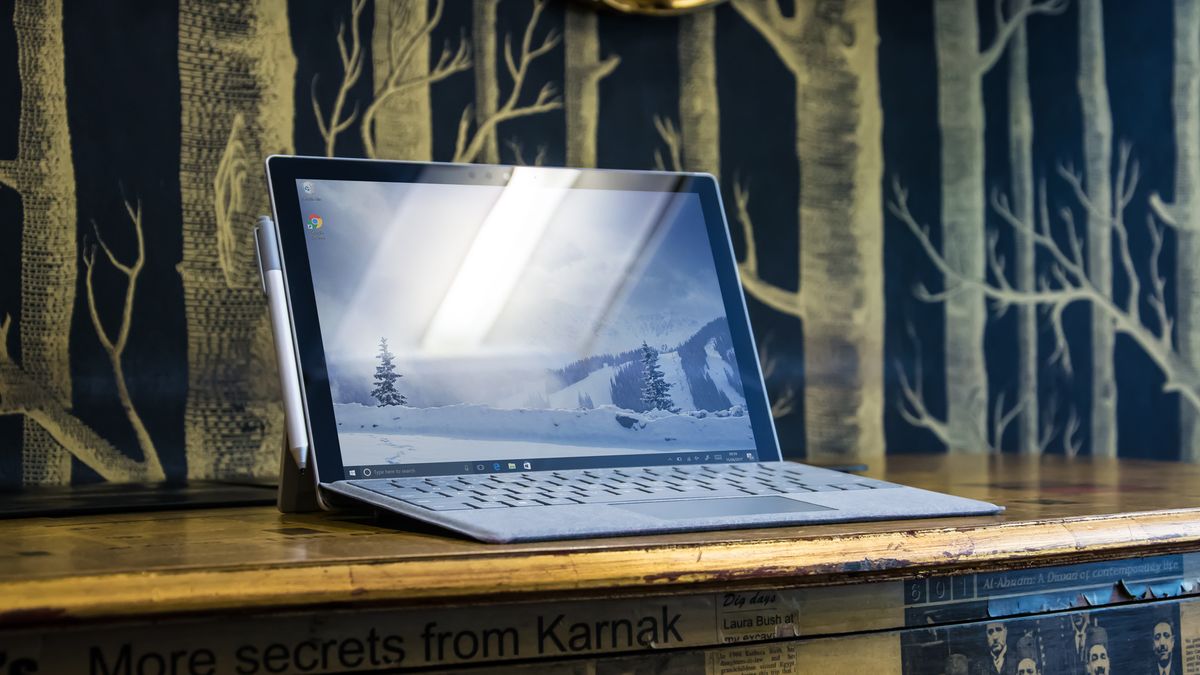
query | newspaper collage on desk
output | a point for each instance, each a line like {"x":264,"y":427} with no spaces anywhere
{"x":1131,"y":616}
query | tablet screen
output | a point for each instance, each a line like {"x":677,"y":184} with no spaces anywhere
{"x":527,"y":326}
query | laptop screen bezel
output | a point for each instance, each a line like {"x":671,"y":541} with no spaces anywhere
{"x":283,"y":172}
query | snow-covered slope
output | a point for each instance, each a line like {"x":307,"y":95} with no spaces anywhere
{"x":596,"y":388}
{"x":373,"y":435}
{"x":722,"y":374}
{"x":701,"y":371}
{"x":676,"y":377}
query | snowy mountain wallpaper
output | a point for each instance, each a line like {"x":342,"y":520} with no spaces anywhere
{"x":962,"y":226}
{"x":546,"y":322}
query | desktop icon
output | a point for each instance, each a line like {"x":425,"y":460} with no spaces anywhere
{"x":315,"y":222}
{"x":308,"y":187}
{"x":527,"y":466}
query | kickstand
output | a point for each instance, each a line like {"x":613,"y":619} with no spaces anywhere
{"x":297,"y":489}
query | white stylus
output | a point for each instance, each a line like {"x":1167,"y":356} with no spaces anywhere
{"x":289,"y":377}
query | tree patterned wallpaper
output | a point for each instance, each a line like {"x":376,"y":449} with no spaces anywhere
{"x":962,"y":226}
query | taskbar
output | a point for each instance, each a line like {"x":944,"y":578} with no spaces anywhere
{"x":494,"y":466}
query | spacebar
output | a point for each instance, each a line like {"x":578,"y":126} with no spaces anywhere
{"x":639,"y":496}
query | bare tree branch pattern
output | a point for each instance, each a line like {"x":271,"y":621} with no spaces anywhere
{"x":473,"y":138}
{"x":399,"y":78}
{"x":961,"y":64}
{"x":1010,"y":24}
{"x":518,"y":153}
{"x":115,"y":348}
{"x":1069,"y":281}
{"x":1063,"y":239}
{"x":775,"y":297}
{"x":673,"y":159}
{"x":352,"y":65}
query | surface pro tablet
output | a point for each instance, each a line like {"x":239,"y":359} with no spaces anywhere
{"x":524,"y":353}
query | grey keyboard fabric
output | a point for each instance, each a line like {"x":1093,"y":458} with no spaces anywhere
{"x":611,"y":486}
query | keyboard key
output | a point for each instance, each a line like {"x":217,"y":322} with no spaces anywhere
{"x":447,"y":505}
{"x":604,"y":498}
{"x":426,"y":501}
{"x":526,"y":496}
{"x":519,"y":502}
{"x":760,"y":491}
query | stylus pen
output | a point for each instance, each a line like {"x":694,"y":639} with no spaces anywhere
{"x":289,"y":378}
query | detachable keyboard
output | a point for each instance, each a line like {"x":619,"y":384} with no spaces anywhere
{"x":610,"y":486}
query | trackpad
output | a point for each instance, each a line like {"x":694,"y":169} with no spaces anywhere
{"x":677,"y":509}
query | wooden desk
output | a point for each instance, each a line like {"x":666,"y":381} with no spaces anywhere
{"x":1116,"y":542}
